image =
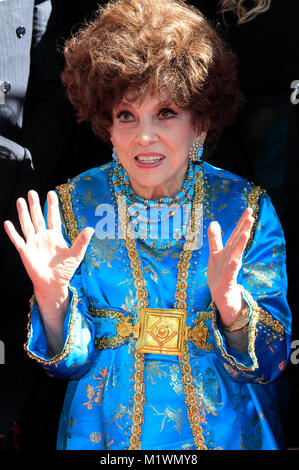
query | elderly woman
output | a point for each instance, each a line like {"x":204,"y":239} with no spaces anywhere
{"x":172,"y":328}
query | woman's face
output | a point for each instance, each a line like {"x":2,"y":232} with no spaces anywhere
{"x":153,"y":140}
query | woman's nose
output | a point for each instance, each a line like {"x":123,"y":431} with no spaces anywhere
{"x":146,"y":132}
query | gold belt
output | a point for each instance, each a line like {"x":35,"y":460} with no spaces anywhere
{"x":161,"y":332}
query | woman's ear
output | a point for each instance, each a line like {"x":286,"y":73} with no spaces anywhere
{"x":201,"y":132}
{"x":201,"y":135}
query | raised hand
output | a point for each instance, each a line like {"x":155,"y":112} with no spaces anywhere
{"x":224,"y":265}
{"x":48,"y":260}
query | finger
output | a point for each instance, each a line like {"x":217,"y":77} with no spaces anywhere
{"x":239,"y":245}
{"x":25,"y":219}
{"x":245,"y":223}
{"x":244,"y":233}
{"x":14,"y":237}
{"x":80,"y":245}
{"x":214,"y":237}
{"x":53,"y":215}
{"x":36,"y":211}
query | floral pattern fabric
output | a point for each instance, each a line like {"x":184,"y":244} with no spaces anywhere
{"x":240,"y":396}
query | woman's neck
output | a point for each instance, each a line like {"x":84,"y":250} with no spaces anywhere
{"x":166,"y":189}
{"x":157,"y":192}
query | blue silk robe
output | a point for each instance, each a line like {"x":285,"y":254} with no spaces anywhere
{"x":239,"y":395}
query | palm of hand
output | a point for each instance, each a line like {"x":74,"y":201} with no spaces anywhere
{"x":224,"y":265}
{"x":48,"y":260}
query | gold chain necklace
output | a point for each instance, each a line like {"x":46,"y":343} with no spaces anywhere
{"x":163,"y":331}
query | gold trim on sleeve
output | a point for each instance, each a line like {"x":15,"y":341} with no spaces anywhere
{"x":59,"y":357}
{"x":257,"y":316}
{"x":68,"y":213}
{"x":252,"y":330}
{"x":267,"y":319}
{"x":253,"y":198}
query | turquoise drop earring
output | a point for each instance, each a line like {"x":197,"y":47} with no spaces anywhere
{"x":114,"y":155}
{"x":196,"y":151}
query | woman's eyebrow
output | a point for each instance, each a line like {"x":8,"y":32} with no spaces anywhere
{"x":130,"y":105}
{"x":123,"y":103}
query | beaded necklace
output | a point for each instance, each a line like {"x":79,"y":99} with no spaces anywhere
{"x":160,"y":223}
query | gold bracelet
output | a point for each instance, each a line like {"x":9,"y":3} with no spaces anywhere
{"x":240,"y":322}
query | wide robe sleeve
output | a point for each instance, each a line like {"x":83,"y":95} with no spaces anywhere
{"x":78,"y":332}
{"x":264,"y":286}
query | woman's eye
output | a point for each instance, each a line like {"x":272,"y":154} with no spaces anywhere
{"x":167,"y":113}
{"x":125,"y":116}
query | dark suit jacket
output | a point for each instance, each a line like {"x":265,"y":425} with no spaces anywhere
{"x":22,"y":24}
{"x":16,"y":177}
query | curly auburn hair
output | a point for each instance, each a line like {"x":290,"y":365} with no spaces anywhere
{"x":149,"y":46}
{"x":241,"y":10}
